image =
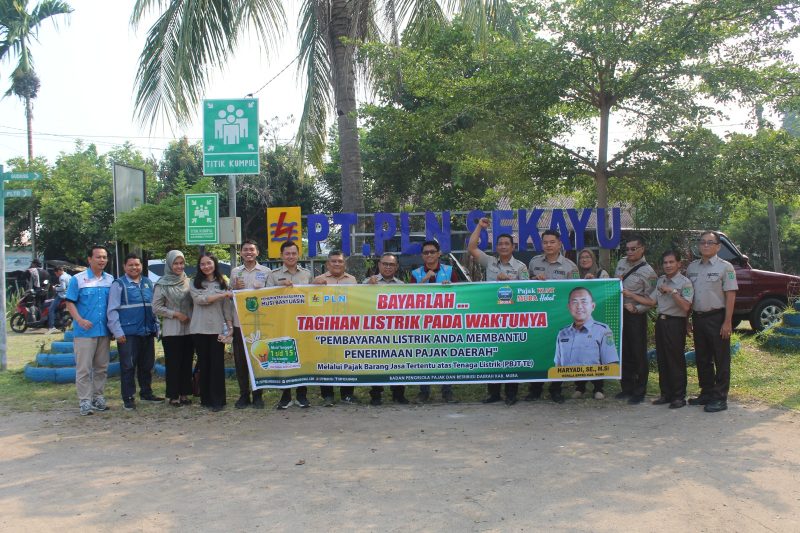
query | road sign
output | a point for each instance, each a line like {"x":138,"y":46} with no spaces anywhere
{"x":21,"y":176}
{"x":230,"y":137}
{"x":202,"y":218}
{"x":18,"y":193}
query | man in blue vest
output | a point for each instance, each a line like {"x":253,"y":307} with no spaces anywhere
{"x":433,"y":271}
{"x":133,"y":324}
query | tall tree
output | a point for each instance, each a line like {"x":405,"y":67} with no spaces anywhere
{"x":18,"y":28}
{"x":653,"y":62}
{"x":188,"y":37}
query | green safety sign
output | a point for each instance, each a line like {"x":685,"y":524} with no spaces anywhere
{"x":202,"y":218}
{"x":230,"y":137}
{"x":20,"y":175}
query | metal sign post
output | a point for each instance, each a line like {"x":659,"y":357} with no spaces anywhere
{"x":20,"y":193}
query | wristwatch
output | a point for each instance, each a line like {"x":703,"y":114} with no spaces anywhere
{"x":674,"y":291}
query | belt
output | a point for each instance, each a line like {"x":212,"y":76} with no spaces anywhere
{"x":700,"y":314}
{"x":669,"y":317}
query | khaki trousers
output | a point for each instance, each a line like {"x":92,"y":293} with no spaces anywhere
{"x":91,"y":365}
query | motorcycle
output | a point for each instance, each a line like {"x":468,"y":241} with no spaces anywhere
{"x":29,"y":314}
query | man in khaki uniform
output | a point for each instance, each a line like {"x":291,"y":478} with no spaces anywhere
{"x":715,"y":286}
{"x":550,"y":265}
{"x":286,"y":276}
{"x":335,"y":275}
{"x":249,"y":275}
{"x":504,"y":267}
{"x":388,"y":264}
{"x":638,"y":281}
{"x":673,"y":295}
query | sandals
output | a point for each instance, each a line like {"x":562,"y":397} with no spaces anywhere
{"x":186,"y":401}
{"x":175,"y":403}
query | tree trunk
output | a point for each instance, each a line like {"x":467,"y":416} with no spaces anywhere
{"x":344,"y":90}
{"x":601,"y":178}
{"x":32,"y":212}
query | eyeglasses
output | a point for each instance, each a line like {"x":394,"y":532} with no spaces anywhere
{"x":632,"y":249}
{"x":429,"y":252}
{"x":388,"y":264}
{"x":707,"y":243}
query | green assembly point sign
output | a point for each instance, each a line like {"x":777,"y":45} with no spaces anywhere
{"x":202,"y":218}
{"x":230,"y":137}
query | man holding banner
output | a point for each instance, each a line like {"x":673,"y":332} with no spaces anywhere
{"x":550,"y":265}
{"x":288,"y":275}
{"x":433,"y":271}
{"x":335,"y":275}
{"x":387,"y":268}
{"x":504,"y":267}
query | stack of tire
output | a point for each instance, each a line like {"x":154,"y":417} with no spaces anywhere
{"x":59,"y":365}
{"x":786,"y":334}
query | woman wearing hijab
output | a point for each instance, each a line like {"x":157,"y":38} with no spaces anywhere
{"x":173,"y":302}
{"x":589,"y":269}
{"x":212,"y":327}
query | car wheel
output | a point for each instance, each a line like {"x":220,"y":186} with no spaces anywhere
{"x":18,"y":323}
{"x":766,"y":313}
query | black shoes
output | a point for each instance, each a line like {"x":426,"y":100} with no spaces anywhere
{"x":511,"y":400}
{"x":350,"y":400}
{"x":423,"y":397}
{"x":660,"y":401}
{"x":303,"y":402}
{"x":622,"y":395}
{"x":327,"y":401}
{"x":636,"y":399}
{"x":242,"y":402}
{"x":282,"y":404}
{"x":699,"y":400}
{"x":376,"y":401}
{"x":128,"y":404}
{"x":677,"y":404}
{"x":532,"y":397}
{"x":400,"y":399}
{"x":447,"y":396}
{"x":258,"y":401}
{"x":557,"y":397}
{"x":491,"y":399}
{"x":715,"y":406}
{"x":152,"y":398}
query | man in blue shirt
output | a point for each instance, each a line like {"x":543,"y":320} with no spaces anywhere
{"x":87,"y":298}
{"x":133,"y":324}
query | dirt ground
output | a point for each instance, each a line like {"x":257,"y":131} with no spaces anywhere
{"x":581,"y":466}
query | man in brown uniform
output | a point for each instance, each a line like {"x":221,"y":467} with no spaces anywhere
{"x":335,"y":275}
{"x":286,"y":276}
{"x":638,"y":281}
{"x":715,"y":286}
{"x":550,"y":265}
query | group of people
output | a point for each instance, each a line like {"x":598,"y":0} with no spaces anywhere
{"x":198,"y":316}
{"x":700,"y":303}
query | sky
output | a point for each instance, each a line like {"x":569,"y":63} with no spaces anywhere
{"x":87,"y":68}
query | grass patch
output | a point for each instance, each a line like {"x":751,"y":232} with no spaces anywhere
{"x":758,"y":375}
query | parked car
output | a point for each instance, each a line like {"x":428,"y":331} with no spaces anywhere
{"x":762,"y":295}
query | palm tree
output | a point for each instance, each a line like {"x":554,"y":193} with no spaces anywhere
{"x":18,"y":28}
{"x":188,"y":37}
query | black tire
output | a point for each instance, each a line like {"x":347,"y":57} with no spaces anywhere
{"x":18,"y":323}
{"x":766,"y":313}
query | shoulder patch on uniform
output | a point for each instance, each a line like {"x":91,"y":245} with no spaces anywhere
{"x":609,"y":339}
{"x":731,"y":275}
{"x":686,"y":291}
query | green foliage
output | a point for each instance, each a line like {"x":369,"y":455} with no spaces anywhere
{"x":460,"y":124}
{"x":748,"y":227}
{"x":181,"y":161}
{"x":76,"y":204}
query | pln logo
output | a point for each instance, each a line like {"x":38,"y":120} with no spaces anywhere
{"x":284,"y":225}
{"x":334,"y":299}
{"x":315,"y":299}
{"x":505,"y":295}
